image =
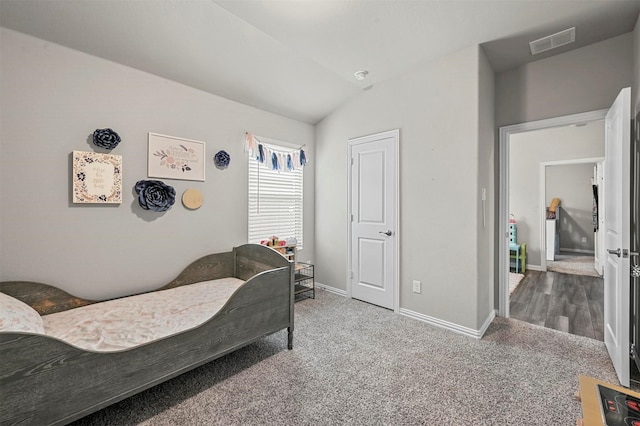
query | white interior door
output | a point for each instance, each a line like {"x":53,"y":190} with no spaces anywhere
{"x":373,"y":208}
{"x":617,"y":304}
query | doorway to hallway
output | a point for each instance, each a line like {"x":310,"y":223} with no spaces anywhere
{"x":565,"y":302}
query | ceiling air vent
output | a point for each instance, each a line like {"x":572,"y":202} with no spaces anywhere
{"x":551,"y":42}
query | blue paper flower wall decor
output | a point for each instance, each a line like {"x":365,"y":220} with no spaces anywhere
{"x":222,"y":159}
{"x":155,"y":195}
{"x":106,"y":138}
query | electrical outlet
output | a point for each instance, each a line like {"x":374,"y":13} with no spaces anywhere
{"x":584,"y":239}
{"x":417,"y":286}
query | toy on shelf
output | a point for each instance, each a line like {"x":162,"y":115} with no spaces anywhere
{"x":286,"y":247}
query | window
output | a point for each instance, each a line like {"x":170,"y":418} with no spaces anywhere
{"x":275,"y":202}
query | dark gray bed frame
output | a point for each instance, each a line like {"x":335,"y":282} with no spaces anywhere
{"x":45,"y":381}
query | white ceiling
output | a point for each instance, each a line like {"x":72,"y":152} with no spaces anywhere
{"x":297,"y":57}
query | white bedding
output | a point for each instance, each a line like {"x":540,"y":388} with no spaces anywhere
{"x":131,"y":321}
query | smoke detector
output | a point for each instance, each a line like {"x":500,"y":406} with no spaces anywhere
{"x":554,"y":40}
{"x":360,"y":75}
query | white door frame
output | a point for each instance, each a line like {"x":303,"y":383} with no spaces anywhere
{"x":503,"y":209}
{"x":599,"y":243}
{"x":395,"y":134}
{"x":543,"y":199}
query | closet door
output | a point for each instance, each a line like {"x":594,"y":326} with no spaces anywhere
{"x":373,"y":219}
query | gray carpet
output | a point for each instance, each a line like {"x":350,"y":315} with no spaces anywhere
{"x":354,"y":363}
{"x":576,"y":265}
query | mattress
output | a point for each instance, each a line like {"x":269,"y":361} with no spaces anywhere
{"x":131,"y":321}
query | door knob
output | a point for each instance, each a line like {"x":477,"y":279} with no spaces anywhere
{"x":616,"y":252}
{"x":388,"y":233}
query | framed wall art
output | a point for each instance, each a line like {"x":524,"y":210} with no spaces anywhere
{"x":97,"y":178}
{"x":175,"y":158}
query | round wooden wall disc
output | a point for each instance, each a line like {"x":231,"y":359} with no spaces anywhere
{"x":192,"y":199}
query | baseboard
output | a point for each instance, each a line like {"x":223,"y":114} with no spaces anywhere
{"x":572,"y":250}
{"x":476,"y":334}
{"x":532,"y":267}
{"x":487,"y":323}
{"x":330,"y":289}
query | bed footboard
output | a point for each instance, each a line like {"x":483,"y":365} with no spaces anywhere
{"x":251,"y":259}
{"x":45,"y":299}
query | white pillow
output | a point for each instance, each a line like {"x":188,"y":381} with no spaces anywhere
{"x":18,"y":316}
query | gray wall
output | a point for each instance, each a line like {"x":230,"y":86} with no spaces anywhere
{"x":526,"y":152}
{"x":571,"y":183}
{"x":436,"y":108}
{"x":486,"y":172}
{"x":52,"y":99}
{"x":585,"y":79}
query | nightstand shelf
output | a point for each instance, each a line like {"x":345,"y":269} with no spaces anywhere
{"x":304,"y":281}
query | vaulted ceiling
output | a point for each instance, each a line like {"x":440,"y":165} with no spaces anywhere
{"x":297,"y":58}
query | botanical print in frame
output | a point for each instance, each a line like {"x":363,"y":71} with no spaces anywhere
{"x":175,"y":158}
{"x":97,"y":178}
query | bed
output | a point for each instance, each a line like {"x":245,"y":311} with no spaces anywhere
{"x":47,"y":380}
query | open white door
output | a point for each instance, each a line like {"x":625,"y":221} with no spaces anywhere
{"x":617,"y":304}
{"x":373,"y":213}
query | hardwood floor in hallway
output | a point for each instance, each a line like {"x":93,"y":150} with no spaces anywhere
{"x":570,"y":303}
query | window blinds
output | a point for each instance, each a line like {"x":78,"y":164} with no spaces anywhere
{"x":275,"y":203}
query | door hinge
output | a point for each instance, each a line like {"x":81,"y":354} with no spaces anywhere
{"x":352,"y":161}
{"x":351,"y":274}
{"x":632,"y":351}
{"x":635,"y":271}
{"x":351,"y":218}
